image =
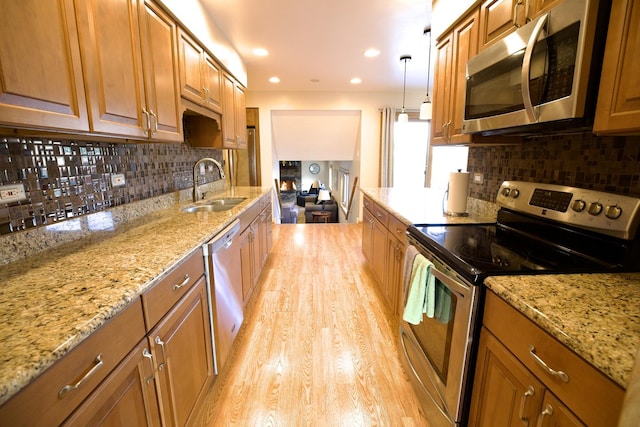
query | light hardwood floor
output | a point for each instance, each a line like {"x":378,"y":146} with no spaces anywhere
{"x":319,"y":347}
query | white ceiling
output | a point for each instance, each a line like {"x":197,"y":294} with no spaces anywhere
{"x":324,"y":40}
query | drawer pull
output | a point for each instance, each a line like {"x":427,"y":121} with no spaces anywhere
{"x":560,"y":374}
{"x":145,"y":353}
{"x":184,"y":282}
{"x":530,"y":392}
{"x":548,"y":410}
{"x":164,"y":355}
{"x":97,"y":363}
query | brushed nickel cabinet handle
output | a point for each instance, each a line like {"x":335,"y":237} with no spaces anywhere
{"x":155,"y":122}
{"x":145,"y":353}
{"x":514,"y":17}
{"x":147,"y":120}
{"x":560,"y":374}
{"x":164,"y":355}
{"x":181,"y":284}
{"x":530,"y":392}
{"x":548,"y":410}
{"x":70,"y":387}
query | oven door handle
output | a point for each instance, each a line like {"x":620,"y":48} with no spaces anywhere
{"x":461,"y":289}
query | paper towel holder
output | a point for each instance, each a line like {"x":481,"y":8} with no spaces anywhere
{"x":445,"y":197}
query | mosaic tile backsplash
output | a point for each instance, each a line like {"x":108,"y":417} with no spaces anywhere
{"x":610,"y":164}
{"x":64,"y":179}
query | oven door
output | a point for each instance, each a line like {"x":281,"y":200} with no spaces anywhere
{"x":436,"y":352}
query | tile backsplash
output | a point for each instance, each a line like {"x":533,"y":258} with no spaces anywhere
{"x":610,"y":164}
{"x":64,"y":179}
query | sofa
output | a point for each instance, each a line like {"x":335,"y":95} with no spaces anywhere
{"x":330,"y":205}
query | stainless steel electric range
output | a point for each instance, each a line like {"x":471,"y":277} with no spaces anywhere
{"x":540,"y":228}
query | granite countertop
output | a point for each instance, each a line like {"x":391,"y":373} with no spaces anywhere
{"x":424,"y":206}
{"x":52,"y":300}
{"x":595,"y":315}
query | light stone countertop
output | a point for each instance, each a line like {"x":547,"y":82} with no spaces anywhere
{"x":52,"y":300}
{"x":425,"y":206}
{"x":595,"y":315}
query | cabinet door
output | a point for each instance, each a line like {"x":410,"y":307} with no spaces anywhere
{"x":41,"y":81}
{"x":182,"y":350}
{"x":211,"y":78}
{"x":505,"y":393}
{"x":129,"y":393}
{"x":618,"y":107}
{"x":379,"y":251}
{"x":160,"y":61}
{"x":465,"y":42}
{"x":240,"y":109}
{"x":538,"y":7}
{"x":499,"y":18}
{"x":441,"y":90}
{"x":395,"y":258}
{"x":246,"y":258}
{"x":367,"y":235}
{"x":110,"y":45}
{"x":228,"y":112}
{"x":555,"y":414}
{"x":191,"y":56}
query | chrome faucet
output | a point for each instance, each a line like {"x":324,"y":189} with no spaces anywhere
{"x":196,"y":189}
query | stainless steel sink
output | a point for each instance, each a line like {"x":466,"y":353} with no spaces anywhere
{"x":215,"y":205}
{"x":226,"y":201}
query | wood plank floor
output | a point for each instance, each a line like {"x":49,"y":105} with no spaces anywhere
{"x":319,"y":347}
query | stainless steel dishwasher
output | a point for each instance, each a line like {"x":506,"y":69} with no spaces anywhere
{"x":224,"y":286}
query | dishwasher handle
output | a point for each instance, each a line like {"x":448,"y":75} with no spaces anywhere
{"x":223,"y":239}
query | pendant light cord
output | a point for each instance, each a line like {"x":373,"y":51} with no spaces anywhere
{"x":404,"y":84}
{"x":428,"y":30}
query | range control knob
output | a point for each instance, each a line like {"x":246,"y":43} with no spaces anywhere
{"x":506,"y":191}
{"x":595,"y":208}
{"x":578,"y":205}
{"x":613,"y":212}
{"x":515,"y":193}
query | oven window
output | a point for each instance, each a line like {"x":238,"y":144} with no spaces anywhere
{"x":434,"y":334}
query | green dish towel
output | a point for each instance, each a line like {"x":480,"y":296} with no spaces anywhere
{"x":421,"y":295}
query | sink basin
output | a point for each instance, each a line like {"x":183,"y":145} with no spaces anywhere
{"x":208,"y":208}
{"x":215,"y":205}
{"x":225,"y":201}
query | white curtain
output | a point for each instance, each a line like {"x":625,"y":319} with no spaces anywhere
{"x":387,"y":118}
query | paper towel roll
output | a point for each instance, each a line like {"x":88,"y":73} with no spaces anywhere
{"x":457,"y":193}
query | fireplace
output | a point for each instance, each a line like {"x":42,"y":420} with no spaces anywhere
{"x":290,"y":179}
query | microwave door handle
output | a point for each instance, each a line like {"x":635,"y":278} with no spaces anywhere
{"x":526,"y":68}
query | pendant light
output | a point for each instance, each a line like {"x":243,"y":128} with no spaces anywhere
{"x":403,"y":117}
{"x":426,"y":107}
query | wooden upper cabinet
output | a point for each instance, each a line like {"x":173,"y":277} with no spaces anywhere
{"x":452,"y":53}
{"x":538,"y":7}
{"x":199,"y":74}
{"x":499,"y":18}
{"x":160,"y":61}
{"x":41,"y":83}
{"x":121,"y":91}
{"x":618,"y":107}
{"x":234,"y":113}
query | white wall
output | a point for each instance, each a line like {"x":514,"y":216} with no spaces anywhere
{"x":366,"y":158}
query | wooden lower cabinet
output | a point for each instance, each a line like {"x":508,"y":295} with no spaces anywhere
{"x":511,"y":388}
{"x":255,"y":244}
{"x":128,"y":395}
{"x":181,"y":348}
{"x":383,"y":245}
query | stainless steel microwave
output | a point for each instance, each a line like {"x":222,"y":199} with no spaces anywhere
{"x":543,"y":76}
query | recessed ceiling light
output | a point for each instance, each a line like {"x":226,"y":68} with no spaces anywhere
{"x":356,"y":81}
{"x":371,"y":53}
{"x":274,"y":79}
{"x":260,"y":52}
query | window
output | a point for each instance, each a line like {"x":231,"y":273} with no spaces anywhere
{"x":343,"y":176}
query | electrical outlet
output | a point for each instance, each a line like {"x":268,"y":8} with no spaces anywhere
{"x":117,"y":179}
{"x":478,"y":178}
{"x":12,"y":193}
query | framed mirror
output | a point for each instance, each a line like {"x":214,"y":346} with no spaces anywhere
{"x":314,"y":168}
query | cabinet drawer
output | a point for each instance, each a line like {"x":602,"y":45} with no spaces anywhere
{"x":591,"y":395}
{"x":43,"y":402}
{"x":164,"y":294}
{"x":378,"y":213}
{"x":397,"y":228}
